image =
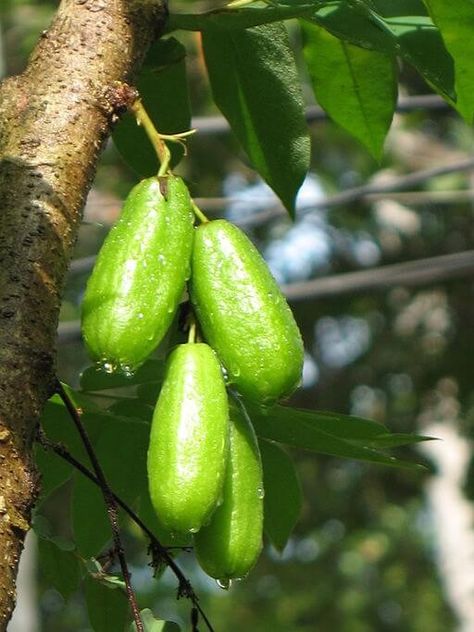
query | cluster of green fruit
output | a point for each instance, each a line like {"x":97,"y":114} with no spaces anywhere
{"x":204,"y":468}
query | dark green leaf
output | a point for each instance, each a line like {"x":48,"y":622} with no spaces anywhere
{"x":59,"y":567}
{"x":93,"y":379}
{"x":255,"y":84}
{"x":367,"y":79}
{"x":59,"y":428}
{"x":283,"y":496}
{"x":132,"y":407}
{"x":352,"y":23}
{"x":148,"y":393}
{"x":89,"y":517}
{"x":54,"y":471}
{"x":151,"y":624}
{"x":455,"y":20}
{"x":419,"y":43}
{"x":107,"y":607}
{"x":162,"y":86}
{"x":242,"y":18}
{"x":121,"y":450}
{"x":303,"y":429}
{"x":412,"y":37}
{"x":397,"y":440}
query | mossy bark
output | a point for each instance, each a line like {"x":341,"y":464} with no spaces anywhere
{"x":54,"y":119}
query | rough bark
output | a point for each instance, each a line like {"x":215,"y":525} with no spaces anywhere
{"x":54,"y":119}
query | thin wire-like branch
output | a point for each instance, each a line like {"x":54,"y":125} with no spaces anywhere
{"x":357,"y":193}
{"x":185,"y":587}
{"x":109,"y":500}
{"x":408,"y":274}
{"x":411,"y":273}
{"x":218,"y":124}
{"x":370,"y":191}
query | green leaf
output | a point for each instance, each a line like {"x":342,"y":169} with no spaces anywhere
{"x":455,"y":20}
{"x":148,"y":393}
{"x":322,"y":432}
{"x":414,"y":38}
{"x":419,"y":43}
{"x":283,"y":496}
{"x":397,"y":440}
{"x":242,"y":18}
{"x":53,"y":470}
{"x":59,"y":428}
{"x":60,"y":568}
{"x":151,"y":624}
{"x":94,"y":379}
{"x":133,"y":407}
{"x":121,"y":450}
{"x":107,"y":606}
{"x":255,"y":84}
{"x":89,"y":517}
{"x":162,"y":86}
{"x":366,"y":81}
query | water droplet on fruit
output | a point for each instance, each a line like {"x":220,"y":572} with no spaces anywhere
{"x":260,"y":493}
{"x":127,"y":370}
{"x":225,"y":584}
{"x":108,"y":367}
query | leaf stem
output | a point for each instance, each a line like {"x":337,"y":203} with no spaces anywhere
{"x":192,"y":329}
{"x":109,"y":500}
{"x":156,"y":139}
{"x":185,"y":588}
{"x":199,"y":214}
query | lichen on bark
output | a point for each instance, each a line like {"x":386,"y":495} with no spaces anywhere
{"x":54,"y":119}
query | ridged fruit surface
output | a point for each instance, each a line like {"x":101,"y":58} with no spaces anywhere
{"x":229,"y":546}
{"x":139,"y":276}
{"x":189,"y":440}
{"x":243,"y":314}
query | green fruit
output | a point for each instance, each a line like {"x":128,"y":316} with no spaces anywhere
{"x":229,"y":546}
{"x":139,"y":276}
{"x":189,"y":439}
{"x":243,"y":313}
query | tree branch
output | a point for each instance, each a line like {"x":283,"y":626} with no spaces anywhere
{"x":185,"y":588}
{"x":109,"y":499}
{"x":54,"y":119}
{"x":421,"y":272}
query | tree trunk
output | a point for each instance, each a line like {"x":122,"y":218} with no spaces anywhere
{"x":54,"y":119}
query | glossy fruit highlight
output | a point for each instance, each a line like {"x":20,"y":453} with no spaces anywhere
{"x":189,"y":440}
{"x":229,"y":546}
{"x":139,"y":276}
{"x":243,"y":313}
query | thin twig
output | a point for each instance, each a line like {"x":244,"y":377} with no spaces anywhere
{"x":219,"y":125}
{"x":426,"y":271}
{"x":185,"y":587}
{"x":357,"y":193}
{"x":109,"y":499}
{"x":366,"y":191}
{"x":408,"y":274}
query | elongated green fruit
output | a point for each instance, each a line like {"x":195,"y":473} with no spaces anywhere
{"x":229,"y":546}
{"x":243,"y":313}
{"x":139,"y":276}
{"x":189,"y":439}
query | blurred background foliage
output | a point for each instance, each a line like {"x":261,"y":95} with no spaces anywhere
{"x":366,"y":553}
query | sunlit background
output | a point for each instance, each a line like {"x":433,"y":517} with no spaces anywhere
{"x":376,"y":548}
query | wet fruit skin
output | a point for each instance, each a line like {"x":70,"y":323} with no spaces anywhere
{"x":189,"y":439}
{"x":139,"y":276}
{"x":243,"y":313}
{"x":229,"y":546}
